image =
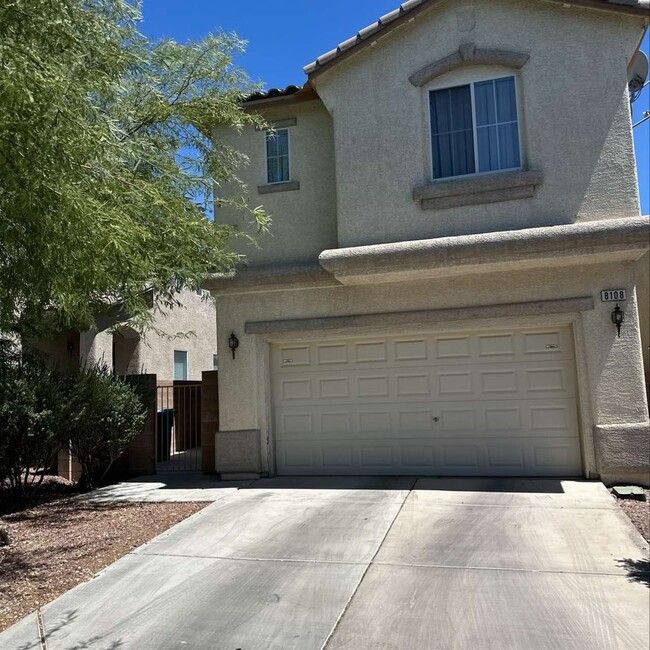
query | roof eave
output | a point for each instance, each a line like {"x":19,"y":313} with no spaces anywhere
{"x":306,"y":94}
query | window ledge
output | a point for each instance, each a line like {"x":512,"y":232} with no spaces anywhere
{"x":271,"y":188}
{"x":477,"y":190}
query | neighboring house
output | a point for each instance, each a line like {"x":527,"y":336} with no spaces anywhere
{"x":452,"y":190}
{"x":180,"y":345}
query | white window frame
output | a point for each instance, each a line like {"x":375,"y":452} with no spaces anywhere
{"x":469,"y":78}
{"x":266,"y":155}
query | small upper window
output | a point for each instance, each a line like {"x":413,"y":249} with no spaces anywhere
{"x":475,"y":128}
{"x":277,"y":156}
{"x":180,"y":365}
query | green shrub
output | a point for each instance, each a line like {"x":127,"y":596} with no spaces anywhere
{"x":102,"y":415}
{"x":30,"y":423}
{"x":89,"y":411}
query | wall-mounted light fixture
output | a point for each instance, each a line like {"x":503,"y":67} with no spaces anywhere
{"x":618,"y":317}
{"x":70,"y":348}
{"x":233,"y":344}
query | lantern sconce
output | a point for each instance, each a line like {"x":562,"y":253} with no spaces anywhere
{"x":618,"y":316}
{"x":233,"y":344}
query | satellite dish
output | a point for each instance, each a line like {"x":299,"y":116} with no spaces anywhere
{"x":637,"y":75}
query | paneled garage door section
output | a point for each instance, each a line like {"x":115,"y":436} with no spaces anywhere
{"x":476,"y":404}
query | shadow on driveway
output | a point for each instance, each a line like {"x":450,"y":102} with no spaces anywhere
{"x":637,"y":570}
{"x":432,"y":483}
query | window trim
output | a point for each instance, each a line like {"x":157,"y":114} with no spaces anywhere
{"x":469,"y":55}
{"x":473,"y":78}
{"x":266,"y":156}
{"x":274,"y":188}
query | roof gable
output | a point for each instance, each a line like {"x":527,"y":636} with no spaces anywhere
{"x":410,"y":9}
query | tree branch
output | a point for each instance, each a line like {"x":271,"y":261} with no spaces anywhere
{"x":186,"y":83}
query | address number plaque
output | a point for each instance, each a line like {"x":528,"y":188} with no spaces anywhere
{"x":613,"y":295}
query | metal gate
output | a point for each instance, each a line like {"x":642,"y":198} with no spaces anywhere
{"x":178,"y":427}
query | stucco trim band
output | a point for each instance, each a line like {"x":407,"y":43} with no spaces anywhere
{"x":468,"y":54}
{"x":509,"y":247}
{"x":477,"y":190}
{"x":428,"y":316}
{"x":274,"y":278}
{"x":272,"y":188}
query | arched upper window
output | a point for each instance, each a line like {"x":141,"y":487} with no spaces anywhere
{"x":473,"y":120}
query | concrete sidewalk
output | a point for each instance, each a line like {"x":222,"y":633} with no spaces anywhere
{"x":371,"y":563}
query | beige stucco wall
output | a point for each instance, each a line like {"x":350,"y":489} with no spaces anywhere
{"x":71,"y":350}
{"x":304,"y":220}
{"x":96,"y":346}
{"x":195,"y":323}
{"x":126,"y":351}
{"x":642,"y":273}
{"x":359,"y":153}
{"x":574,"y":118}
{"x":609,"y":369}
{"x":190,"y":327}
{"x":59,"y":352}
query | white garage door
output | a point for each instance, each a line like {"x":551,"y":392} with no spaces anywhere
{"x":472,"y":404}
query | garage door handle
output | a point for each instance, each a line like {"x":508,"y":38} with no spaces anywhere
{"x":436,"y":419}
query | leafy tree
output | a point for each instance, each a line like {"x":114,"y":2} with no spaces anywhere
{"x":107,"y":162}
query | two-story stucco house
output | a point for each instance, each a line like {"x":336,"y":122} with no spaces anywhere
{"x":453,"y":190}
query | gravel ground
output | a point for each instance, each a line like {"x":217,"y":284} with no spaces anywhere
{"x":58,"y":545}
{"x":638,"y":512}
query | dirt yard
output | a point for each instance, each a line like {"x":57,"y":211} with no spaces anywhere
{"x":61,"y":544}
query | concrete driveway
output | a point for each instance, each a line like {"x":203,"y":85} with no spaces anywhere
{"x":373,"y":563}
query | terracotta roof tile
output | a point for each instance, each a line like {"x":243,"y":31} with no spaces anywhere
{"x":272,"y":93}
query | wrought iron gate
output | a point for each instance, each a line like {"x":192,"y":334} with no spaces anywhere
{"x":178,"y":427}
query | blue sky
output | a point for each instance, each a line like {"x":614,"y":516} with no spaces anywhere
{"x":284,"y":36}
